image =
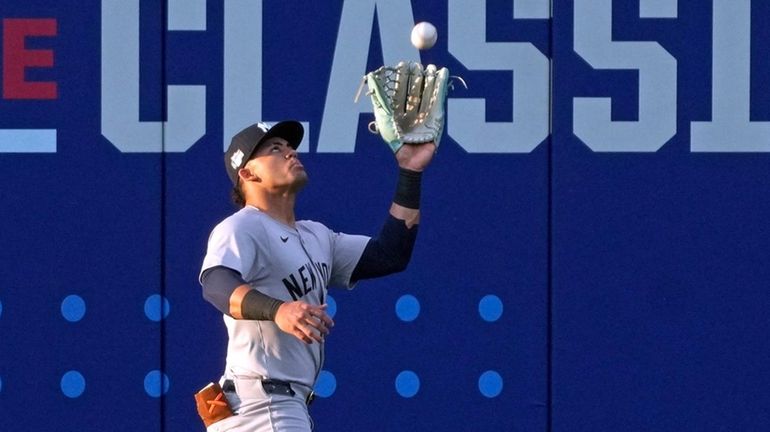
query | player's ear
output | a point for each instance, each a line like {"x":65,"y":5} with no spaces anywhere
{"x":246,"y":175}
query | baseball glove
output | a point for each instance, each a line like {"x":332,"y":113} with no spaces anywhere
{"x":408,"y":102}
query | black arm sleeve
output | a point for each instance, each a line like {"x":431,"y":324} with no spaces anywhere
{"x":218,"y":285}
{"x":388,"y":253}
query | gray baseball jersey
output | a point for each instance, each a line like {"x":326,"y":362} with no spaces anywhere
{"x":288,"y":264}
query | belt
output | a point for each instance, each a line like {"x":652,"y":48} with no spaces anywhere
{"x":246,"y":388}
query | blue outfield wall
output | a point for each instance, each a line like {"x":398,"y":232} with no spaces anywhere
{"x":592,"y":228}
{"x":659,"y":282}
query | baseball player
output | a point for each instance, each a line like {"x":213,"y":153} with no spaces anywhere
{"x":268,"y":273}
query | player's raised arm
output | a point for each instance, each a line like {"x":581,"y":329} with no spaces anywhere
{"x":408,"y":102}
{"x":391,"y":251}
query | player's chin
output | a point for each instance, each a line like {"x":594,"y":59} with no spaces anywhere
{"x":300,"y":179}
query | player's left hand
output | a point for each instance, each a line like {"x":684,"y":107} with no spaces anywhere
{"x":415,"y":157}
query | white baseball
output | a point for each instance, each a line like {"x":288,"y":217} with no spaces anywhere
{"x":424,"y":35}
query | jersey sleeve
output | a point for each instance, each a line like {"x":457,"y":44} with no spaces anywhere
{"x":346,"y":251}
{"x":231,"y":248}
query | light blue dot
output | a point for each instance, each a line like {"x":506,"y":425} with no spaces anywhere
{"x":73,"y":307}
{"x":407,"y":384}
{"x":152,"y":307}
{"x":326,"y":384}
{"x":1,"y":308}
{"x":152,"y":383}
{"x":331,"y":309}
{"x":407,"y":308}
{"x":490,"y":308}
{"x":1,"y":385}
{"x":490,"y":384}
{"x":73,"y":384}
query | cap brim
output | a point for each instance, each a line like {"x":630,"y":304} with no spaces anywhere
{"x":290,"y":130}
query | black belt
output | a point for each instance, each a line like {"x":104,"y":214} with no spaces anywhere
{"x":272,"y":386}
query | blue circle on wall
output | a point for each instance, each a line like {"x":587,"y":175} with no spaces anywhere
{"x":153,"y":305}
{"x":326,"y":384}
{"x":490,"y":384}
{"x":1,"y":308}
{"x":407,"y":308}
{"x":490,"y":308}
{"x":152,"y":383}
{"x":331,"y":308}
{"x":73,"y":308}
{"x":72,"y":384}
{"x":407,"y":384}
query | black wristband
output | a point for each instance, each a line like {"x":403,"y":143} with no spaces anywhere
{"x":408,"y":188}
{"x":258,"y":306}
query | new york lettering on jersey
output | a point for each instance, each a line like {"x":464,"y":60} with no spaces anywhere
{"x":300,"y":261}
{"x":307,"y":278}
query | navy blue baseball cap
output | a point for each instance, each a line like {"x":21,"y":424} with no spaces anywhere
{"x":245,"y":143}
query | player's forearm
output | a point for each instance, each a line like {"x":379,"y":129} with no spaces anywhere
{"x":250,"y":304}
{"x":411,"y":217}
{"x":406,"y":201}
{"x":389,"y":252}
{"x":227,"y":291}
